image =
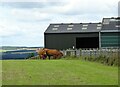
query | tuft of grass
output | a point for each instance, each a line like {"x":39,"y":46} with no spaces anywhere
{"x":57,"y":72}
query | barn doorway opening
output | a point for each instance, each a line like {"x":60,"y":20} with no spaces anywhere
{"x":87,"y":42}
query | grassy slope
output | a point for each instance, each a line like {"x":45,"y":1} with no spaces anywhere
{"x":0,"y":73}
{"x":57,"y":72}
{"x":2,"y":50}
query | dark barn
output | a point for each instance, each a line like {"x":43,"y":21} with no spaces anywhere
{"x":110,"y":33}
{"x":81,"y":35}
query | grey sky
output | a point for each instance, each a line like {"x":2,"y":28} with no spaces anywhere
{"x":23,"y":22}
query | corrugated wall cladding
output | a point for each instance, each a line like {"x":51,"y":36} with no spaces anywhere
{"x":110,"y":39}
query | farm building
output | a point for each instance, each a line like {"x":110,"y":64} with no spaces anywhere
{"x":83,"y":35}
{"x":110,"y":32}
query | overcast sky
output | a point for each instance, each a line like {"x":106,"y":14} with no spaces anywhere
{"x":23,"y":22}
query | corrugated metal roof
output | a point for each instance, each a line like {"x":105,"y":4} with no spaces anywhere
{"x":73,"y":27}
{"x":107,"y":25}
{"x":111,"y":24}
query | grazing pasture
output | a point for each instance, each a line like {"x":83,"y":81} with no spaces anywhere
{"x":57,"y":72}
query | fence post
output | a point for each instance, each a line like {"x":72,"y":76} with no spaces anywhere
{"x":80,"y":52}
{"x":106,"y":56}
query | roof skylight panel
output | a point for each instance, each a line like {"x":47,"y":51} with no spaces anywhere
{"x":85,"y":25}
{"x":69,"y":28}
{"x":117,"y":25}
{"x":106,"y":21}
{"x":99,"y":24}
{"x":98,"y":27}
{"x":70,"y":25}
{"x":54,"y":28}
{"x":84,"y":28}
{"x":56,"y":25}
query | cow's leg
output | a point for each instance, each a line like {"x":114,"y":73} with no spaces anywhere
{"x":45,"y":56}
{"x":39,"y":57}
{"x":49,"y":57}
{"x":55,"y":57}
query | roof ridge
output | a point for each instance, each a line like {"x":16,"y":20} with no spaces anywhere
{"x":74,"y":23}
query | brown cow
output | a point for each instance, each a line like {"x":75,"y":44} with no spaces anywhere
{"x":41,"y":53}
{"x":50,"y":52}
{"x":53,"y":52}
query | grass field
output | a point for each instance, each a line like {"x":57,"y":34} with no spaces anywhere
{"x":57,"y":72}
{"x":3,"y":50}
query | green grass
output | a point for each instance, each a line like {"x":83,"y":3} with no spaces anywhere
{"x":0,"y":73}
{"x":2,"y":50}
{"x":57,"y":72}
{"x":5,"y":50}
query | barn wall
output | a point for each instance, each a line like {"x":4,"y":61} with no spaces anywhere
{"x":64,"y":40}
{"x":110,"y":39}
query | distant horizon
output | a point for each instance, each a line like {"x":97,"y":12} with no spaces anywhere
{"x":21,"y":46}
